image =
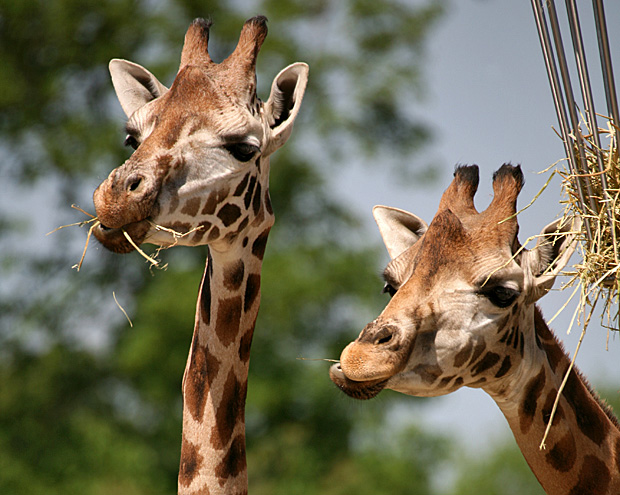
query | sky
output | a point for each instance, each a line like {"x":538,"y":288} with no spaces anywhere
{"x":489,"y":102}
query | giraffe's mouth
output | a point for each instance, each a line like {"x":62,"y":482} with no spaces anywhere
{"x":362,"y":390}
{"x":116,"y":239}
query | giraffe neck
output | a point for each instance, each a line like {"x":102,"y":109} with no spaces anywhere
{"x":213,"y":457}
{"x":582,"y":453}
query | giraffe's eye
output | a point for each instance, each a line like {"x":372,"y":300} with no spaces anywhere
{"x":388,"y":288}
{"x":243,"y":152}
{"x":500,"y":296}
{"x":131,"y":141}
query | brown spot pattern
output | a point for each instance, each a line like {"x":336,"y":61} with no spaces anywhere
{"x":205,"y":293}
{"x":563,"y":455}
{"x":594,"y":477}
{"x":191,"y":207}
{"x":173,"y":204}
{"x":228,"y":319}
{"x":210,"y":204}
{"x":234,"y":461}
{"x":191,"y":461}
{"x":229,"y":412}
{"x":256,"y":201}
{"x":528,"y":407}
{"x":445,"y":381}
{"x":591,"y":421}
{"x":202,"y":370}
{"x":252,"y":289}
{"x":259,"y":245}
{"x":181,"y":227}
{"x":478,"y":350}
{"x":245,"y":345}
{"x":214,"y":234}
{"x":504,"y":368}
{"x":462,"y":355}
{"x":233,"y":275}
{"x":428,"y":373}
{"x":548,"y":407}
{"x":214,"y":199}
{"x":488,"y":361}
{"x":268,"y":206}
{"x":247,"y":199}
{"x":242,"y":185}
{"x":229,"y":214}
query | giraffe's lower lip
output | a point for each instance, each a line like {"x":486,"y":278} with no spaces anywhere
{"x":116,"y":239}
{"x":357,"y":390}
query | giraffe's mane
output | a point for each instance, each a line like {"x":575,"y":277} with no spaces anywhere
{"x":543,"y":332}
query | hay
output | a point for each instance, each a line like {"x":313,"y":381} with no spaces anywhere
{"x":153,"y":260}
{"x":593,"y":194}
{"x":93,"y":220}
{"x":598,"y":275}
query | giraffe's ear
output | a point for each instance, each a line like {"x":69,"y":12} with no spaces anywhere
{"x":399,"y":229}
{"x":282,"y":107}
{"x":556,"y":244}
{"x":134,"y":85}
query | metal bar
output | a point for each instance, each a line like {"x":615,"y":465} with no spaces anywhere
{"x":584,"y":77}
{"x":608,"y":71}
{"x":570,"y":102}
{"x":586,"y":91}
{"x":556,"y":91}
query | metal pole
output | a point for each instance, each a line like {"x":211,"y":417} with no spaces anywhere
{"x":586,"y":90}
{"x":608,"y":71}
{"x":556,"y":91}
{"x":570,"y":101}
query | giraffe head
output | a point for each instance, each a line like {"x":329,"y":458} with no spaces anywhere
{"x":458,"y":287}
{"x":201,"y":160}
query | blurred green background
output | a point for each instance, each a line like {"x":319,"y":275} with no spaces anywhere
{"x":90,"y":405}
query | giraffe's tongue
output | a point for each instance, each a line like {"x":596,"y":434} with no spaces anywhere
{"x":116,"y":239}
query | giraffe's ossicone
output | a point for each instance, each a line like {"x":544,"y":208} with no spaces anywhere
{"x":463,"y":313}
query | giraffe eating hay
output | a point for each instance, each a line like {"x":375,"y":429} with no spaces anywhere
{"x":463,"y":313}
{"x":201,"y":168}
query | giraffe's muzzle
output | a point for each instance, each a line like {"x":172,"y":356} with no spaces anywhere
{"x":358,"y":390}
{"x":124,"y":203}
{"x":116,"y":239}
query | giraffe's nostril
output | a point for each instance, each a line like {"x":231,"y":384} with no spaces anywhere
{"x":384,"y":336}
{"x":135,"y":184}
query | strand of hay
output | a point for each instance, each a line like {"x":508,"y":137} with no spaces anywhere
{"x":122,"y":309}
{"x":153,"y":260}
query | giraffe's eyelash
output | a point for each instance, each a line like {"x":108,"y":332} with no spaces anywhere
{"x":389,"y":289}
{"x":244,"y":152}
{"x":131,"y":141}
{"x":499,"y":295}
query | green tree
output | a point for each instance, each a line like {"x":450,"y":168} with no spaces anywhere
{"x":89,"y":405}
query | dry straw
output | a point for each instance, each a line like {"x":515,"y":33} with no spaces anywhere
{"x":598,"y":275}
{"x":93,"y":222}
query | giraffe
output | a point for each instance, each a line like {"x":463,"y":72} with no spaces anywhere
{"x":201,"y":168}
{"x":463,"y":313}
